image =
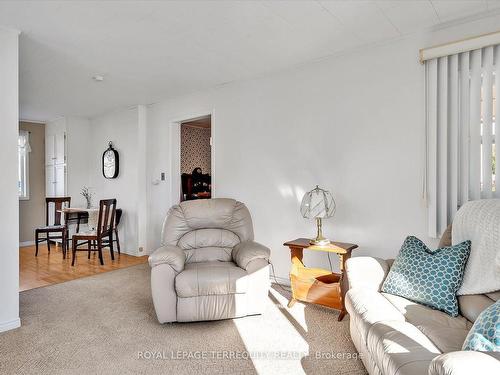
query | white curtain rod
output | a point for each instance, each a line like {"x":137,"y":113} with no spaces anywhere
{"x":459,"y":46}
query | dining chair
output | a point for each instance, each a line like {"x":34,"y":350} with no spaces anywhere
{"x":116,"y":239}
{"x":73,"y":221}
{"x":102,"y":236}
{"x":53,"y":207}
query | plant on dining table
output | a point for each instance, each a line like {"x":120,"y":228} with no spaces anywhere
{"x":87,"y":194}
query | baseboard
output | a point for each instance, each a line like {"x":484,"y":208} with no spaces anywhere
{"x":280,"y":280}
{"x":26,"y":243}
{"x":7,"y":326}
{"x":130,"y":252}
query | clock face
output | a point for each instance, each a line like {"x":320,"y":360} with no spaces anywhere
{"x":110,"y":163}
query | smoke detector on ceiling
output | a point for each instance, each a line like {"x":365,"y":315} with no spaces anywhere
{"x":98,"y":78}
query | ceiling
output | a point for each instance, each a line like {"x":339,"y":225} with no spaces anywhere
{"x":152,"y":50}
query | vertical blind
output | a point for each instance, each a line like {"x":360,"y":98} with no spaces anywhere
{"x":461,"y":132}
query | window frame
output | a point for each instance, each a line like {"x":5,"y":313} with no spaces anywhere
{"x":24,"y":168}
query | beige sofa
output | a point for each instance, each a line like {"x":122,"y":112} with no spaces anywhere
{"x":398,"y":336}
{"x":208,"y":267}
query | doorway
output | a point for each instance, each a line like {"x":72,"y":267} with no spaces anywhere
{"x":196,"y":158}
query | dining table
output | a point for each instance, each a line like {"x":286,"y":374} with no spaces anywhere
{"x":93,"y":215}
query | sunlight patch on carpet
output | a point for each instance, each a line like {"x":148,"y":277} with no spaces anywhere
{"x":276,"y":339}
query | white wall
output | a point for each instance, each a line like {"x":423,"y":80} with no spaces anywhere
{"x":353,"y":124}
{"x":9,"y":229}
{"x":86,"y":141}
{"x":122,"y":129}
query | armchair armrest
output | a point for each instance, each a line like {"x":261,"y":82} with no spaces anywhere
{"x":465,"y":363}
{"x":247,"y":251}
{"x":367,"y":272}
{"x":171,"y":255}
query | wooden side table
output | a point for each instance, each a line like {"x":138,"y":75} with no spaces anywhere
{"x":316,"y":285}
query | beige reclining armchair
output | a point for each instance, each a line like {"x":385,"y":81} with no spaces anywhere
{"x":208,"y":267}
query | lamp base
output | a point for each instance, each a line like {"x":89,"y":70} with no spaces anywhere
{"x":319,"y":241}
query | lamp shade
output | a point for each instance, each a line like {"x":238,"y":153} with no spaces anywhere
{"x":317,"y":203}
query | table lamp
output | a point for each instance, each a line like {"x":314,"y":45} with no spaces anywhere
{"x":318,"y":204}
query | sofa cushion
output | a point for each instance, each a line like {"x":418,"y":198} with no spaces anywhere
{"x":485,"y":333}
{"x":399,"y":347}
{"x":418,"y":314}
{"x":428,"y":277}
{"x":446,"y":339}
{"x":495,"y":296}
{"x":446,"y":332}
{"x":368,"y":307}
{"x":211,"y":278}
{"x":472,"y":305}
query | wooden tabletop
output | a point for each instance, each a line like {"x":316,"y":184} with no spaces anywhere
{"x":71,"y":210}
{"x":333,"y":247}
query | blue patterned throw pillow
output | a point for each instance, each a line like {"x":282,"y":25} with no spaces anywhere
{"x":431,"y":278}
{"x":485,"y":333}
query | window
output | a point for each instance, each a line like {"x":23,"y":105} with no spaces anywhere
{"x":23,"y":150}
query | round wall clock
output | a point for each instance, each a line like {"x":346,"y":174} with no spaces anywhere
{"x":110,"y":162}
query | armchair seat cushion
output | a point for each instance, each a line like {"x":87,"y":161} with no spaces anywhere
{"x":211,"y":278}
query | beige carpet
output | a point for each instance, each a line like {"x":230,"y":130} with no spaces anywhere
{"x":105,"y":324}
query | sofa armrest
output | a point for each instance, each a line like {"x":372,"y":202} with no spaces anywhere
{"x":465,"y":363}
{"x":247,"y":251}
{"x":171,"y":255}
{"x":366,"y":272}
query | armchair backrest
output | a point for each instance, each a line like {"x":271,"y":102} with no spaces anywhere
{"x":207,"y":229}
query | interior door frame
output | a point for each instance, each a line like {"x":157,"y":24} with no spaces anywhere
{"x":175,"y":153}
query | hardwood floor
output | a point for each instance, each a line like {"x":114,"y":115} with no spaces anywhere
{"x":47,"y":269}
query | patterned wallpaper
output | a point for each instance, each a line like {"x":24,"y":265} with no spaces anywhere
{"x":195,"y":149}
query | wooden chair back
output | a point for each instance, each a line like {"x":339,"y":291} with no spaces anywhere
{"x":57,"y":204}
{"x":106,"y":221}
